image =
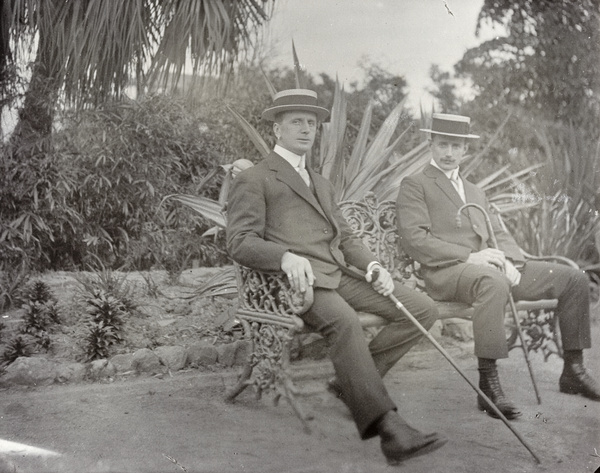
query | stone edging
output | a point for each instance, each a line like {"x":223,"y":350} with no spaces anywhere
{"x":39,"y":371}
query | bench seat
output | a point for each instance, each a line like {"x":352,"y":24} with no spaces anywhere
{"x":269,"y":311}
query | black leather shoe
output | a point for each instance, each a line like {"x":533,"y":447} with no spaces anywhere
{"x":489,"y":383}
{"x":576,"y":380}
{"x":399,"y":441}
{"x":333,"y":386}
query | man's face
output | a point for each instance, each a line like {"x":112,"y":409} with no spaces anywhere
{"x":448,"y":151}
{"x":295,"y":131}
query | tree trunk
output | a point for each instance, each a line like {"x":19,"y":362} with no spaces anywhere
{"x":32,"y":134}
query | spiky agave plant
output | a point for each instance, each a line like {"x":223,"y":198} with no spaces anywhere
{"x":373,"y":166}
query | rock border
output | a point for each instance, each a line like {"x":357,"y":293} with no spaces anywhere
{"x":40,"y":371}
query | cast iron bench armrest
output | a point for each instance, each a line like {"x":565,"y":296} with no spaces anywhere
{"x":551,"y":258}
{"x":268,"y":297}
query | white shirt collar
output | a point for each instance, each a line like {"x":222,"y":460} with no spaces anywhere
{"x":449,"y":174}
{"x":292,"y":158}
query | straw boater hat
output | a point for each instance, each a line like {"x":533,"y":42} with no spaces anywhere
{"x":295,"y":99}
{"x":450,"y":125}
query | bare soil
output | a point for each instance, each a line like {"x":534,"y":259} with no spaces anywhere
{"x":181,"y":423}
{"x":163,"y":312}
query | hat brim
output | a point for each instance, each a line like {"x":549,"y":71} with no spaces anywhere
{"x":272,"y":112}
{"x":470,"y":137}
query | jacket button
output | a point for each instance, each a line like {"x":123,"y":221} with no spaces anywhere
{"x":475,"y":225}
{"x":325,"y":231}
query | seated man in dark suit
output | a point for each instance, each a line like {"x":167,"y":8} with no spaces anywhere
{"x":283,"y":216}
{"x":459,"y":264}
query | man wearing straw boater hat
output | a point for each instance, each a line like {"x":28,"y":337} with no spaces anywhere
{"x":460,"y":263}
{"x":283,"y":216}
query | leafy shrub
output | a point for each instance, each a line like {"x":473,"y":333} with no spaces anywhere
{"x":105,"y":309}
{"x":129,"y":155}
{"x":12,"y":281}
{"x":98,"y":341}
{"x":96,"y":192}
{"x":105,"y":325}
{"x":38,"y":318}
{"x":40,"y":314}
{"x":173,"y":247}
{"x":26,"y":202}
{"x":16,"y":348}
{"x":563,"y":216}
{"x":108,"y":283}
{"x":39,"y":292}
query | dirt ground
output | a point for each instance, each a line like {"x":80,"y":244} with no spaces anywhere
{"x":182,"y":424}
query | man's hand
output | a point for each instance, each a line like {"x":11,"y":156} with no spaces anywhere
{"x":298,"y":270}
{"x":384,"y":284}
{"x":496,"y":258}
{"x":488,"y":257}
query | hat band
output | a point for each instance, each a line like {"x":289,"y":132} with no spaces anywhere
{"x":450,"y":127}
{"x":295,"y":100}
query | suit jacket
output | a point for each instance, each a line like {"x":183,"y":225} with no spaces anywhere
{"x":427,"y":209}
{"x":271,"y":210}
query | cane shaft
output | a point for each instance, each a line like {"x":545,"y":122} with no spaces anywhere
{"x":513,"y":308}
{"x":515,"y":315}
{"x":441,"y":349}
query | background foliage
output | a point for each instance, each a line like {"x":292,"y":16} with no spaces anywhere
{"x":90,"y":191}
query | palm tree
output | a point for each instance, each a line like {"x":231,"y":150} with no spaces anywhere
{"x":89,"y":50}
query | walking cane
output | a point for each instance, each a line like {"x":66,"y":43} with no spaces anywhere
{"x":435,"y":343}
{"x":511,"y":301}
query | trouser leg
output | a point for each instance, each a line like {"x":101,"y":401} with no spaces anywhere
{"x":397,"y":338}
{"x":540,"y":280}
{"x":487,"y":290}
{"x":364,"y":391}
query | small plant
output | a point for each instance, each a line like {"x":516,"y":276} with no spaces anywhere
{"x":99,"y":340}
{"x":105,"y":325}
{"x":109,"y":283}
{"x":152,"y":288}
{"x":40,"y":313}
{"x":39,"y":292}
{"x":106,"y":309}
{"x":16,"y":348}
{"x":36,"y":318}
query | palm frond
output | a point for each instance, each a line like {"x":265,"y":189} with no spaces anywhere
{"x":271,"y":88}
{"x":222,"y":283}
{"x":96,"y":47}
{"x":360,"y":144}
{"x":207,"y":208}
{"x":376,"y":155}
{"x":332,"y":160}
{"x":251,"y":132}
{"x":299,"y":74}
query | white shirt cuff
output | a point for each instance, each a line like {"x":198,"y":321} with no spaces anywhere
{"x":372,"y":264}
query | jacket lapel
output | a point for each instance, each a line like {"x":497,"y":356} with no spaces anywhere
{"x":475,"y":215}
{"x":287,"y":174}
{"x":477,"y":220}
{"x":444,"y":184}
{"x":322,"y":196}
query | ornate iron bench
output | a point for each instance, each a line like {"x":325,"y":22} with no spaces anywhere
{"x":269,"y":311}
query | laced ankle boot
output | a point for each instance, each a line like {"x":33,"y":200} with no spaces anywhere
{"x":575,"y":379}
{"x":400,"y":441}
{"x":489,"y":383}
